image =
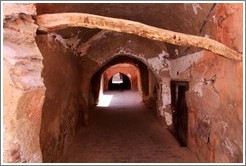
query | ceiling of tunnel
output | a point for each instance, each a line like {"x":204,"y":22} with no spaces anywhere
{"x":123,"y":59}
{"x":124,"y":68}
{"x":181,"y":17}
{"x":186,"y":18}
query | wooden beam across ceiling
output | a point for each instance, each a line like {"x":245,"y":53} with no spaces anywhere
{"x":51,"y":22}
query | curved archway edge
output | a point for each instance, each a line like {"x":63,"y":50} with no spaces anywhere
{"x":125,"y":85}
{"x":131,"y":59}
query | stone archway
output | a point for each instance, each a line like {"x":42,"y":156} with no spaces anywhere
{"x":127,"y":69}
{"x":119,"y":81}
{"x":150,"y":95}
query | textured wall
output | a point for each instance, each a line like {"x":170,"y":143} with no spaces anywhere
{"x":23,"y":89}
{"x":215,"y":95}
{"x":61,"y":110}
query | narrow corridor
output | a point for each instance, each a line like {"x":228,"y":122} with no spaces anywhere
{"x":184,"y":59}
{"x":125,"y":132}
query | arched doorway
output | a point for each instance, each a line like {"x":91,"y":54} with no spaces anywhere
{"x":119,"y":81}
{"x":148,"y":82}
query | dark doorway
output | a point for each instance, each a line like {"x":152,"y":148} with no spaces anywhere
{"x":180,"y":110}
{"x":119,"y":81}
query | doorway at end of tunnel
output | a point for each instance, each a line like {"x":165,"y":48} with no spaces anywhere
{"x":119,"y":81}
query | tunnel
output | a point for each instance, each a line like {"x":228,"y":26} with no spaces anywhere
{"x":122,"y":82}
{"x":145,"y":81}
{"x":119,"y":81}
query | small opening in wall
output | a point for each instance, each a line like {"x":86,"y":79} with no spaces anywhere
{"x":119,"y":81}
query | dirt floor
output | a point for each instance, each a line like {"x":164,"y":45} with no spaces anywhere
{"x":125,"y":132}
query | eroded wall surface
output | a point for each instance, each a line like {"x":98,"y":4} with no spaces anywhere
{"x":62,"y":108}
{"x":23,"y":88}
{"x":216,"y":92}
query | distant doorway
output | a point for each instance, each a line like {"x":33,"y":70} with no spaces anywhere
{"x":119,"y":81}
{"x":180,"y":110}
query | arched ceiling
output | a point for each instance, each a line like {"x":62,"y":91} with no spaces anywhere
{"x":185,"y":18}
{"x":180,"y":17}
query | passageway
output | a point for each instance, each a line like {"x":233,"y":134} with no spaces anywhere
{"x":123,"y":82}
{"x":125,"y":132}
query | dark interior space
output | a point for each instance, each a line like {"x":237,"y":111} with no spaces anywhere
{"x":180,"y":110}
{"x":125,"y":83}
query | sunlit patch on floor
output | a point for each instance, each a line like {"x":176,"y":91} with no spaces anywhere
{"x":104,"y":100}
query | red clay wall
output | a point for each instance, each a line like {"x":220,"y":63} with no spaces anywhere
{"x":215,"y":98}
{"x":127,"y":69}
{"x":62,"y":109}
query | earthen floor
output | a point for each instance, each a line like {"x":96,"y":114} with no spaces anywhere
{"x":125,"y":132}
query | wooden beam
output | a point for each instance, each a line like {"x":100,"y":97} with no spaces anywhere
{"x":52,"y":22}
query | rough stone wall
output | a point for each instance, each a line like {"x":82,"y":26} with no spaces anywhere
{"x":129,"y":70}
{"x":215,"y":130}
{"x":61,"y":110}
{"x":23,"y":88}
